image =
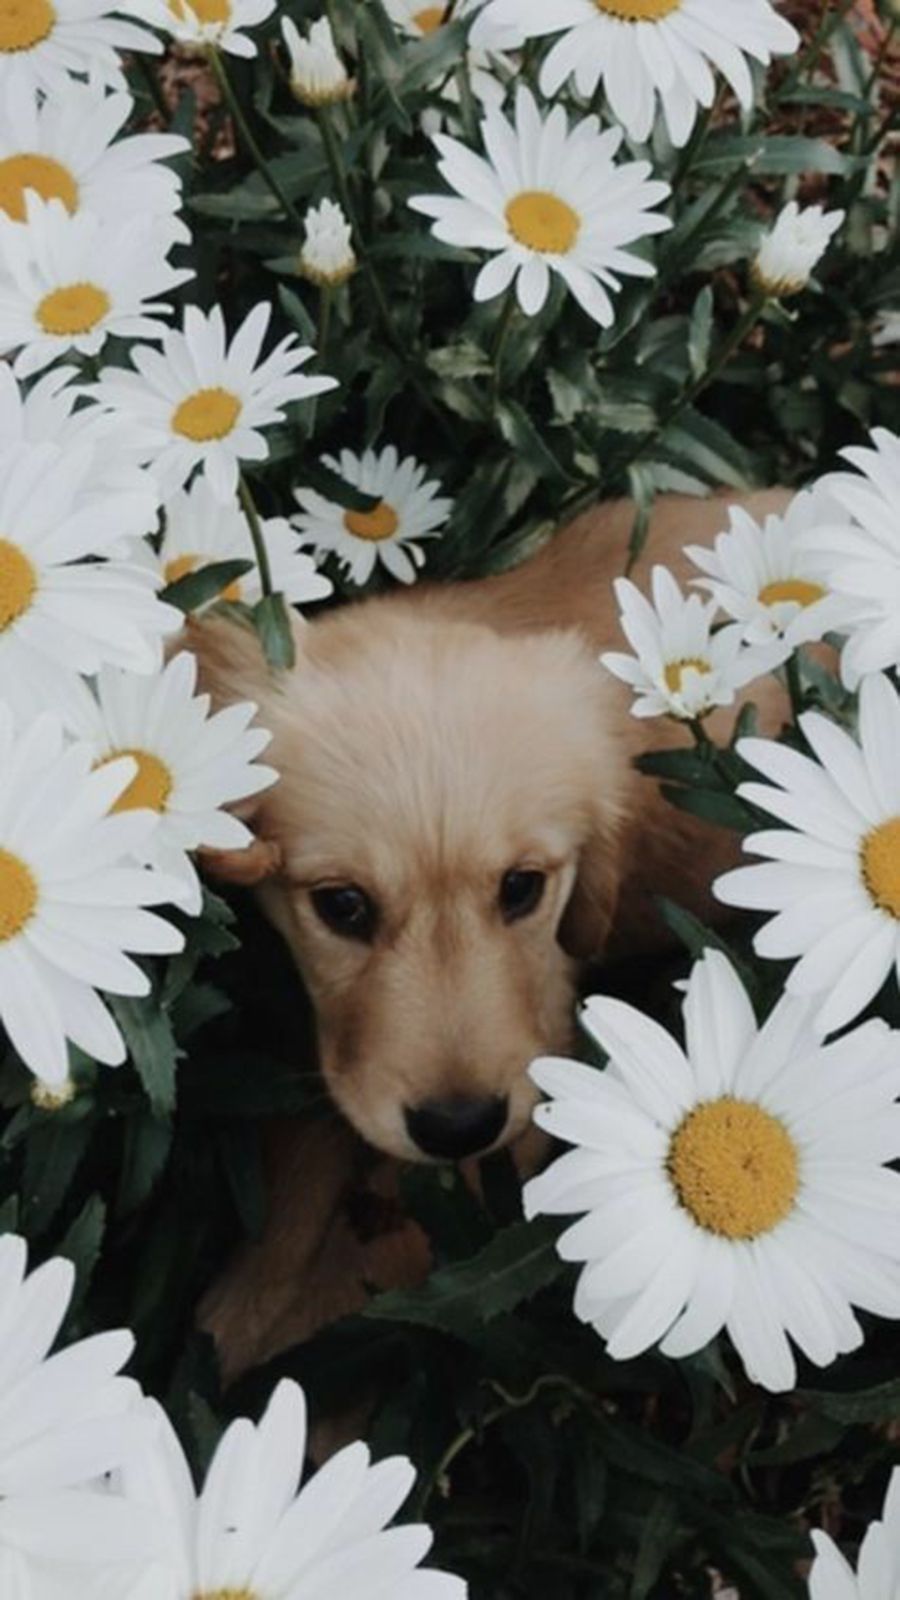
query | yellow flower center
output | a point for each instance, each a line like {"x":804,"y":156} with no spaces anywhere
{"x":206,"y":414}
{"x":799,"y":590}
{"x":150,"y":787}
{"x":675,"y":671}
{"x":73,"y":310}
{"x":638,"y":10}
{"x":430,"y":18}
{"x":18,"y":895}
{"x":734,"y":1168}
{"x":206,"y":11}
{"x":18,"y":583}
{"x":542,"y":221}
{"x":225,"y":1594}
{"x":380,"y":523}
{"x":25,"y":23}
{"x":881,"y":865}
{"x":49,"y":178}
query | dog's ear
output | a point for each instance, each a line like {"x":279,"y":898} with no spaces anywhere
{"x":588,"y":918}
{"x":232,"y":667}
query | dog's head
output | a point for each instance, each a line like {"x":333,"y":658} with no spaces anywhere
{"x":444,"y":829}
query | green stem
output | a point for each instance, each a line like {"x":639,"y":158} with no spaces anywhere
{"x":695,"y":143}
{"x":701,"y":737}
{"x":504,"y":323}
{"x":248,"y":506}
{"x":794,"y":682}
{"x":808,"y":60}
{"x":325,"y":301}
{"x":468,"y":110}
{"x":240,"y":121}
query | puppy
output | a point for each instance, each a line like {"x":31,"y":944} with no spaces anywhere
{"x":458,"y":827}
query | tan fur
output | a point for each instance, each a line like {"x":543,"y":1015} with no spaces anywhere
{"x":427,"y":742}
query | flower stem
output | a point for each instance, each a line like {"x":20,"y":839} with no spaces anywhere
{"x":248,"y":506}
{"x":240,"y":121}
{"x":794,"y":683}
{"x":504,"y":323}
{"x":325,"y":300}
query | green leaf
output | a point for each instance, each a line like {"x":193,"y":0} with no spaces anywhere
{"x":700,"y":332}
{"x":460,"y":1299}
{"x":518,"y":430}
{"x":880,"y":1405}
{"x":273,"y":624}
{"x":708,"y":446}
{"x":147,"y":1143}
{"x":209,"y":934}
{"x":659,"y":1535}
{"x":198,"y":588}
{"x":81,"y":1245}
{"x":148,"y":1032}
{"x":330,"y":484}
{"x":55,"y":1147}
{"x":297,"y":314}
{"x":696,"y":937}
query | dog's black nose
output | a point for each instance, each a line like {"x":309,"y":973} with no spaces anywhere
{"x":451,"y":1129}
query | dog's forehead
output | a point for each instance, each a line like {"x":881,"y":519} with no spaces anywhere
{"x":449,"y":742}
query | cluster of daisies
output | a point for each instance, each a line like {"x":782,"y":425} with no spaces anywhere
{"x":97,"y":1500}
{"x":743,"y":1182}
{"x":116,"y":482}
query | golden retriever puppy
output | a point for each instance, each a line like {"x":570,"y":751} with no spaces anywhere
{"x":458,"y":826}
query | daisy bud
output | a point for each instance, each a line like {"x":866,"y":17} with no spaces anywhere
{"x":792,"y":249}
{"x":327,"y":256}
{"x":318,"y":75}
{"x":52,"y":1096}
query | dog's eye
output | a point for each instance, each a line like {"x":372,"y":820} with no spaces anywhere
{"x":521,"y":892}
{"x":346,"y":910}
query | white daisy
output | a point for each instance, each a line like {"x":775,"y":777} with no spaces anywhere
{"x":69,"y":909}
{"x":793,"y":248}
{"x":327,"y":256}
{"x":680,"y":667}
{"x":833,"y":874}
{"x":318,"y":75}
{"x":409,"y":509}
{"x":764,"y":577}
{"x":203,"y":402}
{"x":252,"y":1531}
{"x":64,"y":1418}
{"x":68,"y":148}
{"x":547,"y":198}
{"x":189,"y":764}
{"x":860,"y":550}
{"x":71,"y":281}
{"x":218,"y":22}
{"x":63,"y":611}
{"x":199,"y":531}
{"x":43,"y":42}
{"x":641,"y":49}
{"x":50,"y":413}
{"x":738,"y":1183}
{"x":877,"y":1576}
{"x":483,"y":59}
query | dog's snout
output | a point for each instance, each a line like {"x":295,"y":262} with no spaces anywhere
{"x":452,"y":1128}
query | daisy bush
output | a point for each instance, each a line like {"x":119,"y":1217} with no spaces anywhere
{"x":301,"y":303}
